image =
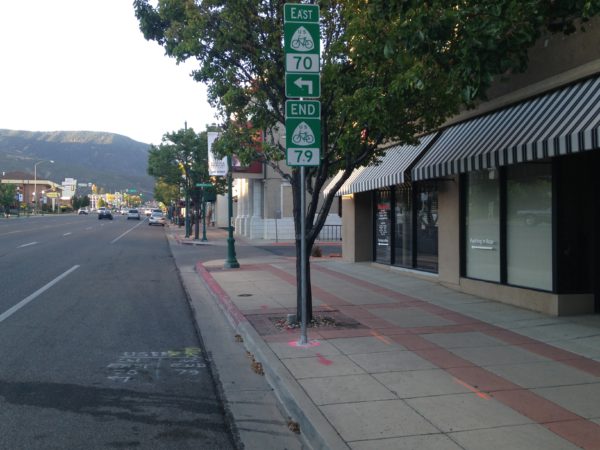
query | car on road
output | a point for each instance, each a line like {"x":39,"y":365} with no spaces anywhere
{"x":157,"y":218}
{"x":133,"y":214}
{"x":82,"y":211}
{"x":148,"y":211}
{"x":104,"y":213}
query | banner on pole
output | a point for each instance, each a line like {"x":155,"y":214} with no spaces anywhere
{"x":216,"y":166}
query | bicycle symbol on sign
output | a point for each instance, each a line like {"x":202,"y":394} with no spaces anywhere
{"x":302,"y":40}
{"x":303,"y":138}
{"x":303,"y":44}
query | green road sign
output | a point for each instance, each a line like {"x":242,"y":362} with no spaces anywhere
{"x":302,"y":46}
{"x":303,"y":156}
{"x":204,"y":185}
{"x":294,"y":12}
{"x":302,"y":85}
{"x":302,"y":133}
{"x":302,"y":109}
{"x":132,"y":191}
{"x":301,"y":38}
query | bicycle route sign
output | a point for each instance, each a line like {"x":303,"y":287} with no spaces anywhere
{"x":302,"y":80}
{"x":303,"y":132}
{"x":302,"y":47}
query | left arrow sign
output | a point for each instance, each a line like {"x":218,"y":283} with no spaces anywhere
{"x":304,"y":83}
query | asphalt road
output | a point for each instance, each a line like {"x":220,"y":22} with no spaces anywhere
{"x":97,"y":344}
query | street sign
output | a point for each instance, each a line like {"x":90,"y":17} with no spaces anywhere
{"x":295,"y":12}
{"x":302,"y":46}
{"x":303,"y":132}
{"x":52,"y":194}
{"x":303,"y":156}
{"x":204,"y":185}
{"x":299,"y":85}
{"x":303,"y":109}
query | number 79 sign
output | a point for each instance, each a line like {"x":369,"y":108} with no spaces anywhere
{"x":303,"y":156}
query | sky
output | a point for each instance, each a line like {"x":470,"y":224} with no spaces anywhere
{"x":84,"y":65}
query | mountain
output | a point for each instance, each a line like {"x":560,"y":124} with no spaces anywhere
{"x":111,"y":161}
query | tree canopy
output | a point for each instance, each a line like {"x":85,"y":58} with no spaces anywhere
{"x":181,"y":160}
{"x":390,"y":70}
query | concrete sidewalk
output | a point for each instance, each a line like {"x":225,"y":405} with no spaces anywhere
{"x":398,"y":362}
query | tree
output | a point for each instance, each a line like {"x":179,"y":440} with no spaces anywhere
{"x":181,"y":160}
{"x":390,"y":71}
{"x":8,"y":196}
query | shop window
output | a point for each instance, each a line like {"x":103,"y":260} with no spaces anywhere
{"x":482,"y":225}
{"x":529,"y":225}
{"x":403,"y":239}
{"x":383,"y":227}
{"x":426,"y":226}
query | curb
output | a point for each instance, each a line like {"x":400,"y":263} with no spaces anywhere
{"x":315,"y":428}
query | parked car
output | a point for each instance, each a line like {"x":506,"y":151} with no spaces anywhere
{"x":104,"y":213}
{"x":133,"y":214}
{"x":157,"y":218}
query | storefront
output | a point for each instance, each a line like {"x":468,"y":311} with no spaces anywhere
{"x":504,"y":206}
{"x":529,"y":199}
{"x":406,"y":226}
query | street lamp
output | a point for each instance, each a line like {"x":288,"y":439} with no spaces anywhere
{"x":35,"y":196}
{"x":231,"y":262}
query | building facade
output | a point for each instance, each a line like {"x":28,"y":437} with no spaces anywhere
{"x":503,"y":201}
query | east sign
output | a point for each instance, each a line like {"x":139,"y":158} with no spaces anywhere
{"x":302,"y":47}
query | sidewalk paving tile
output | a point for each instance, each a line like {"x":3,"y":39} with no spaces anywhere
{"x":583,"y":399}
{"x":322,"y":366}
{"x":522,"y":437}
{"x":542,"y":374}
{"x":346,"y":389}
{"x":460,"y":412}
{"x":490,"y":356}
{"x":390,"y":361}
{"x":421,"y":383}
{"x":376,"y":420}
{"x":410,"y":317}
{"x":424,"y":442}
{"x":287,"y":350}
{"x":367,"y":344}
{"x":461,"y":340}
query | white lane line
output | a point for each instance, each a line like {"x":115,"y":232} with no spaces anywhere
{"x":12,"y":232}
{"x":41,"y":290}
{"x":27,"y":245}
{"x":131,"y":229}
{"x":67,"y":234}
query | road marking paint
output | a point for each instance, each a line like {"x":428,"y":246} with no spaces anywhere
{"x":381,"y":337}
{"x":27,"y":245}
{"x":131,"y":229}
{"x":12,"y":232}
{"x":472,"y":389}
{"x":67,"y":234}
{"x":15,"y":308}
{"x":323,"y":360}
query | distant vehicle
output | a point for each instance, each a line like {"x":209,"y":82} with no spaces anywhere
{"x":133,"y":214}
{"x":104,"y":213}
{"x":157,"y":218}
{"x":124,"y":211}
{"x":148,"y":211}
{"x":82,"y":211}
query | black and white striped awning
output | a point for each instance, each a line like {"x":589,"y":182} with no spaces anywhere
{"x":388,"y":172}
{"x":558,"y":123}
